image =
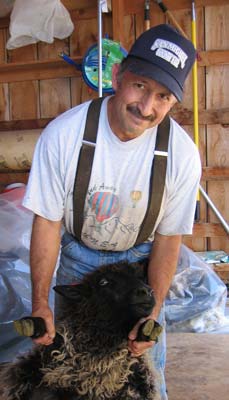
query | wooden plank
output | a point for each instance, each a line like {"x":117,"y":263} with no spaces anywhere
{"x":24,"y":124}
{"x":83,"y":37}
{"x":79,"y":4}
{"x":4,"y":88}
{"x":12,"y":177}
{"x":52,"y":69}
{"x":136,"y":6}
{"x":7,"y":178}
{"x":216,"y":34}
{"x":215,"y":173}
{"x":184,"y":116}
{"x":24,"y":106}
{"x":55,"y":96}
{"x":213,"y":57}
{"x":205,"y":229}
{"x":23,"y":95}
{"x":45,"y":69}
{"x":118,"y":21}
{"x":4,"y":22}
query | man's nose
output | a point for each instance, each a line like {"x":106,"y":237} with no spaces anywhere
{"x":147,"y":105}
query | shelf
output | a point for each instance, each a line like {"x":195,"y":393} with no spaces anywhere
{"x":33,"y":70}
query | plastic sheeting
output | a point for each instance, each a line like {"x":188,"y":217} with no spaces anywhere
{"x":15,"y":285}
{"x":197,"y":297}
{"x":195,"y":302}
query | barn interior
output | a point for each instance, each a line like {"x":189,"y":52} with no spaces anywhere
{"x":42,"y":74}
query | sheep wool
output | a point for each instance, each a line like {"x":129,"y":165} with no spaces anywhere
{"x":89,"y":359}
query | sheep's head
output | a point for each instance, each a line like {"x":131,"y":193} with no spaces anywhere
{"x":113,"y":295}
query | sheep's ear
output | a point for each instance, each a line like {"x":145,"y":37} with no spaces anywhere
{"x":70,"y":291}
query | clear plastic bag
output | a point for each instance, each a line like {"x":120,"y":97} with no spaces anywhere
{"x":197,"y":297}
{"x":15,"y":284}
{"x":16,"y":225}
{"x":32,"y":21}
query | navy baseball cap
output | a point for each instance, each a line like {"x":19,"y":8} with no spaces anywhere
{"x":164,"y":55}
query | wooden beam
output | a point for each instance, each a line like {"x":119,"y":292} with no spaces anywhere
{"x":79,"y":4}
{"x":33,"y":70}
{"x":213,"y":57}
{"x":118,"y":21}
{"x":136,"y":6}
{"x":206,"y":117}
{"x":4,"y":22}
{"x":26,"y":124}
{"x":182,"y":115}
{"x":206,"y":229}
{"x":7,"y":178}
{"x":57,"y":68}
{"x":215,"y":173}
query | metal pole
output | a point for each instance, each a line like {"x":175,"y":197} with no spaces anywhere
{"x":100,"y":70}
{"x":213,"y":207}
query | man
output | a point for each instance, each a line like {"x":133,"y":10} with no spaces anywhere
{"x":147,"y":84}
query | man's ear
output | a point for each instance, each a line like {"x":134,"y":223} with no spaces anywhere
{"x":115,"y":69}
{"x":72,"y":292}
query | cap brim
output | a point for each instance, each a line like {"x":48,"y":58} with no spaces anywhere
{"x":144,"y":68}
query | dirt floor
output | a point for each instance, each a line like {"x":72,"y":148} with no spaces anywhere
{"x":197,"y":366}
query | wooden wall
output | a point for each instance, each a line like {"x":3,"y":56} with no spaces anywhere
{"x":36,"y":85}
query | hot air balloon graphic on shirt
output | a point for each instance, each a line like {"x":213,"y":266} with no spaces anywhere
{"x":135,"y":195}
{"x":104,"y":205}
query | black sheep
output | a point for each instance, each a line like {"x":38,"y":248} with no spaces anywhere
{"x":89,"y":359}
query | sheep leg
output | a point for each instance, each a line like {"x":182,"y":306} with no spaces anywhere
{"x":46,"y":394}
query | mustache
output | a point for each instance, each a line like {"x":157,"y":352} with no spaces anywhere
{"x":137,"y":113}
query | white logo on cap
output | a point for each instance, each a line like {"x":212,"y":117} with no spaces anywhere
{"x":170,"y":52}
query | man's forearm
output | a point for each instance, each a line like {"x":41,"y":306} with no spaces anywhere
{"x":162,"y":267}
{"x":44,"y":250}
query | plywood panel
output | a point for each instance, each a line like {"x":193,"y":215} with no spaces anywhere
{"x":24,"y":100}
{"x":217,"y":33}
{"x":4,"y":102}
{"x":23,"y":95}
{"x":4,"y":88}
{"x":55,"y":96}
{"x":83,"y":36}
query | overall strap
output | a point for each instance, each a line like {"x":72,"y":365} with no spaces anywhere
{"x":157,"y":181}
{"x":84,"y":167}
{"x":83,"y":173}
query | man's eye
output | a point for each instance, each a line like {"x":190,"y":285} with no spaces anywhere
{"x":139,"y":85}
{"x":165,"y":97}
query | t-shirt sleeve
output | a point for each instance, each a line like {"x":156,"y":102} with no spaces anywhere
{"x":180,"y":204}
{"x":45,"y":190}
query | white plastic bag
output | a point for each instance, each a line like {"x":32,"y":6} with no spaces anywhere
{"x":33,"y":20}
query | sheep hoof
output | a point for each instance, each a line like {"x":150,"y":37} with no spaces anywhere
{"x":149,"y":330}
{"x":33,"y":327}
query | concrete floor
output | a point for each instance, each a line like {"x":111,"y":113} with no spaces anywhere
{"x":197,"y":366}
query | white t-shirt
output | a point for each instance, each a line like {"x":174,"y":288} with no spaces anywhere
{"x":118,"y":191}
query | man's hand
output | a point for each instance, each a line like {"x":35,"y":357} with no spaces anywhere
{"x":138,"y":348}
{"x":44,"y":311}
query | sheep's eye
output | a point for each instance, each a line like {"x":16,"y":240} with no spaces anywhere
{"x":103,"y":282}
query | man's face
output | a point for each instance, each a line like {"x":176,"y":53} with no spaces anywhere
{"x":139,"y":104}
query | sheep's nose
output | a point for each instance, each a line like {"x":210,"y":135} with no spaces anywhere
{"x":143,"y":291}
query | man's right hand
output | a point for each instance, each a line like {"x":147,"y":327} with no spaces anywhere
{"x":45,"y":312}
